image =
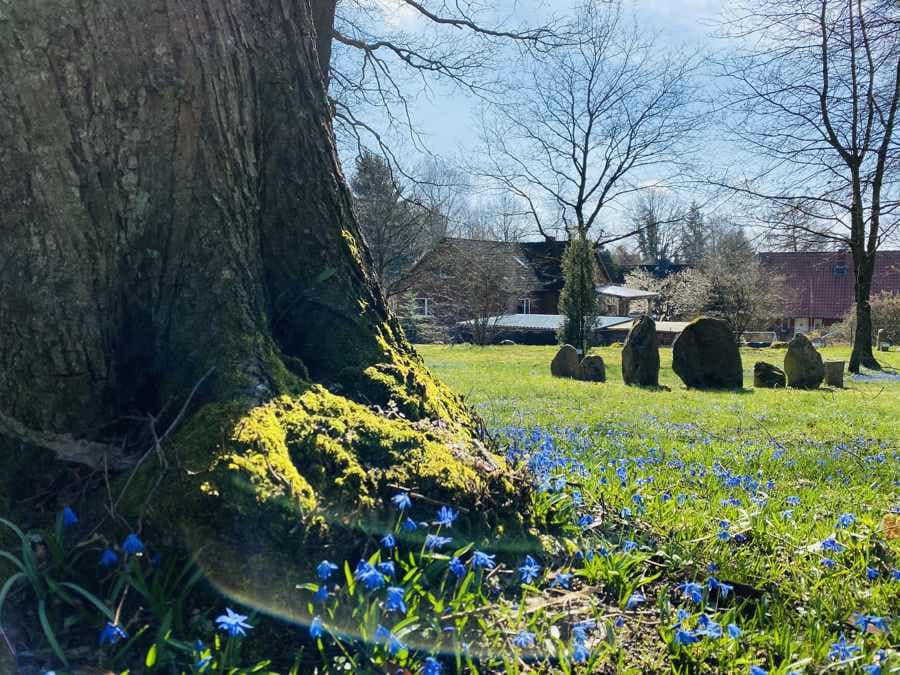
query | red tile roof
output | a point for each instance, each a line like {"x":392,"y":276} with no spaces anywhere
{"x":815,"y":286}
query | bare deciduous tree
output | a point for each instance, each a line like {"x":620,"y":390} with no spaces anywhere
{"x":815,"y":96}
{"x":589,"y":122}
{"x":380,"y":63}
{"x":653,"y":215}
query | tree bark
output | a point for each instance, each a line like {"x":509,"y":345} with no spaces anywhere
{"x":172,"y":204}
{"x":862,"y":354}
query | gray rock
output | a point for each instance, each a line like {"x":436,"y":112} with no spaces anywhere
{"x":803,"y":364}
{"x":640,"y":354}
{"x":706,"y":355}
{"x":565,"y":363}
{"x":767,"y":376}
{"x":592,"y":369}
{"x":834,"y":374}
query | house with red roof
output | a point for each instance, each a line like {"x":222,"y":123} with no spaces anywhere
{"x":819,"y":286}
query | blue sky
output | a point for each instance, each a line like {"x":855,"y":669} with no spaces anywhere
{"x":448,"y":117}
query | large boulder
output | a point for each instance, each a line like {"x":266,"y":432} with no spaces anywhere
{"x":592,"y":369}
{"x":706,"y":355}
{"x":640,"y":354}
{"x":767,"y":376}
{"x":565,"y":363}
{"x":803,"y":364}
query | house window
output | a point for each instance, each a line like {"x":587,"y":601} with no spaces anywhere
{"x":525,"y":306}
{"x":424,"y":307}
{"x":839,"y":270}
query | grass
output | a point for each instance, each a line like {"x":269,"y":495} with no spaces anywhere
{"x":741,"y":486}
{"x":513,"y":385}
{"x":669,"y":531}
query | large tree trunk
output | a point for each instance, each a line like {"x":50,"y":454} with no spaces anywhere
{"x":862,"y":354}
{"x":171,"y":204}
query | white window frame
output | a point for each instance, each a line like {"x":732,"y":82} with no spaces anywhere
{"x":525,"y":305}
{"x":426,"y":306}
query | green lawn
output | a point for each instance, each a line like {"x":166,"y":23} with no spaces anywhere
{"x":786,"y":496}
{"x":513,"y":385}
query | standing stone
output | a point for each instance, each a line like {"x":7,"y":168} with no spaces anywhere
{"x":803,"y":364}
{"x":592,"y":369}
{"x":640,"y":354}
{"x":706,"y":355}
{"x":834,"y":374}
{"x":565,"y":363}
{"x":767,"y":376}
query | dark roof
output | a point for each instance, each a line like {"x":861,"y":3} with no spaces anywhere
{"x":819,"y":285}
{"x":660,"y":269}
{"x":545,"y":257}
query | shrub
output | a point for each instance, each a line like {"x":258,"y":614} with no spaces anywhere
{"x":885,"y":314}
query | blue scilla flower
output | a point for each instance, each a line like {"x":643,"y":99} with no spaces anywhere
{"x":394,"y":645}
{"x":325,"y":569}
{"x":629,"y":546}
{"x":233,"y":623}
{"x":370,"y":577}
{"x":625,"y":512}
{"x":387,"y":568}
{"x":828,"y":563}
{"x":482,"y":560}
{"x":846,"y":520}
{"x":316,"y":628}
{"x":132,"y":544}
{"x":635,"y":599}
{"x":872,"y":573}
{"x":529,"y":570}
{"x":686,"y":637}
{"x":409,"y":525}
{"x":708,"y":627}
{"x":895,"y":575}
{"x":863,"y":621}
{"x":715,"y":585}
{"x":321,"y":595}
{"x":432,"y":667}
{"x":69,"y":517}
{"x":580,"y":653}
{"x":692,"y":591}
{"x":757,"y":670}
{"x":841,"y":651}
{"x":831,"y":544}
{"x":109,"y":558}
{"x":388,"y":541}
{"x":456,"y":567}
{"x":562,"y":580}
{"x":394,"y":601}
{"x":733,"y":631}
{"x":585,"y":521}
{"x":112,"y":634}
{"x":637,"y":499}
{"x":524,"y":639}
{"x":435,"y":542}
{"x":402,"y":501}
{"x":445,"y":516}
